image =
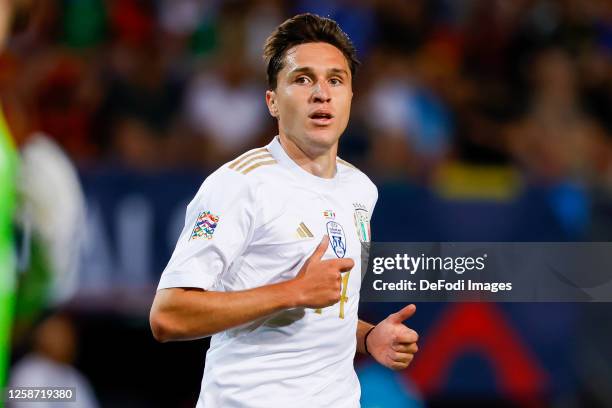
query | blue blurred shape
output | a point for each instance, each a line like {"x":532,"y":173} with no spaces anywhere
{"x":383,"y":388}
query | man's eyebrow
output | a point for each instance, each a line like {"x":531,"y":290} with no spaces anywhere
{"x":338,"y":71}
{"x":309,"y":70}
{"x":302,"y":70}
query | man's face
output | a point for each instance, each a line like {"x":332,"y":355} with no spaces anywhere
{"x":312,"y":99}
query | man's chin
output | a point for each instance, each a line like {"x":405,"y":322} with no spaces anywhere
{"x":323,"y":137}
{"x":315,"y":141}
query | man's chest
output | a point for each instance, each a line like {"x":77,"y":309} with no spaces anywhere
{"x":291,"y":232}
{"x":298,"y":224}
{"x":291,"y":226}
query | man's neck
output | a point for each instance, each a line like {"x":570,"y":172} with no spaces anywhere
{"x":321,"y":164}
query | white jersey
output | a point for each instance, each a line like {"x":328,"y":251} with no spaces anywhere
{"x":254,"y":222}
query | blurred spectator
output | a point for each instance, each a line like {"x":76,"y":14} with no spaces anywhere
{"x":84,"y":23}
{"x":50,"y":218}
{"x":226,"y":108}
{"x":65,"y":97}
{"x":356,"y":17}
{"x":140,"y":88}
{"x":49,"y":364}
{"x":136,"y":143}
{"x":407,"y":117}
{"x":404,"y":25}
{"x":262,"y":17}
{"x":53,"y":206}
{"x":556,"y":140}
{"x":181,"y":17}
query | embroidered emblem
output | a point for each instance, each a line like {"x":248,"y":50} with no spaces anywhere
{"x":362,"y":223}
{"x":337,"y":239}
{"x":204,"y":226}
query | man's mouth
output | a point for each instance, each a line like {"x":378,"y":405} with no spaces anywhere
{"x":321,"y":117}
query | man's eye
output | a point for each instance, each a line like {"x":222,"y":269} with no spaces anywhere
{"x":301,"y":80}
{"x":335,"y":81}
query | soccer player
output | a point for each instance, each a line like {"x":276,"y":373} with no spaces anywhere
{"x":269,"y":260}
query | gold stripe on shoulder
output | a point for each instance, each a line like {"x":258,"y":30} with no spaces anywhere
{"x":258,"y":164}
{"x":252,"y":159}
{"x":246,"y":156}
{"x":339,"y":160}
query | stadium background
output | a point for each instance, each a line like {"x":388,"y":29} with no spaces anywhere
{"x":478,"y":120}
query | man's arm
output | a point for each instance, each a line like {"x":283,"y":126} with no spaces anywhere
{"x":390,"y":342}
{"x":363,"y":328}
{"x":186,"y":313}
{"x":192,"y":313}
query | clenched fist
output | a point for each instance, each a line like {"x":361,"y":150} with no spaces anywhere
{"x":318,"y":283}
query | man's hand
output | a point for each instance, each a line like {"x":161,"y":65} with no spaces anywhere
{"x":318,"y":283}
{"x":393,"y":344}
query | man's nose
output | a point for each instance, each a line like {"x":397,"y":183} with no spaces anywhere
{"x":320,"y":92}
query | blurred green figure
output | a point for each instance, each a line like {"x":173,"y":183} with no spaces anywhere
{"x":49,"y":276}
{"x":8,"y":173}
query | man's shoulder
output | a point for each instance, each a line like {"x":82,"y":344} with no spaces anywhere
{"x":251,"y":162}
{"x":245,"y":171}
{"x":354,"y":175}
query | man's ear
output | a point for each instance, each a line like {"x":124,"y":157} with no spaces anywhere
{"x":271,"y":103}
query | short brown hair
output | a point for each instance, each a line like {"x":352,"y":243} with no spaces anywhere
{"x":302,"y":29}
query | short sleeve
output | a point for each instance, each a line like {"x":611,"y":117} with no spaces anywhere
{"x":219,"y":224}
{"x":374,"y":199}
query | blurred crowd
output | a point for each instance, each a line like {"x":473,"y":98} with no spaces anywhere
{"x":150,"y":85}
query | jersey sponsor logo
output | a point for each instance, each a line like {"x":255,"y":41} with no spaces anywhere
{"x":329,"y":214}
{"x":362,"y":223}
{"x":303,"y":231}
{"x":337,"y":239}
{"x":204,"y":226}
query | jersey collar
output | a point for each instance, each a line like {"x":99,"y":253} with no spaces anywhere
{"x":283,"y":158}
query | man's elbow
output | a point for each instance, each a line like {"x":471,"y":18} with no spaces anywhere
{"x":160,"y":327}
{"x":164,"y":325}
{"x":167,"y":318}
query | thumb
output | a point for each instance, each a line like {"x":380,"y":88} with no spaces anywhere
{"x":403,"y":314}
{"x":321,"y":248}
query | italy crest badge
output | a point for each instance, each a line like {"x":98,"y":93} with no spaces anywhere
{"x":362,"y":222}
